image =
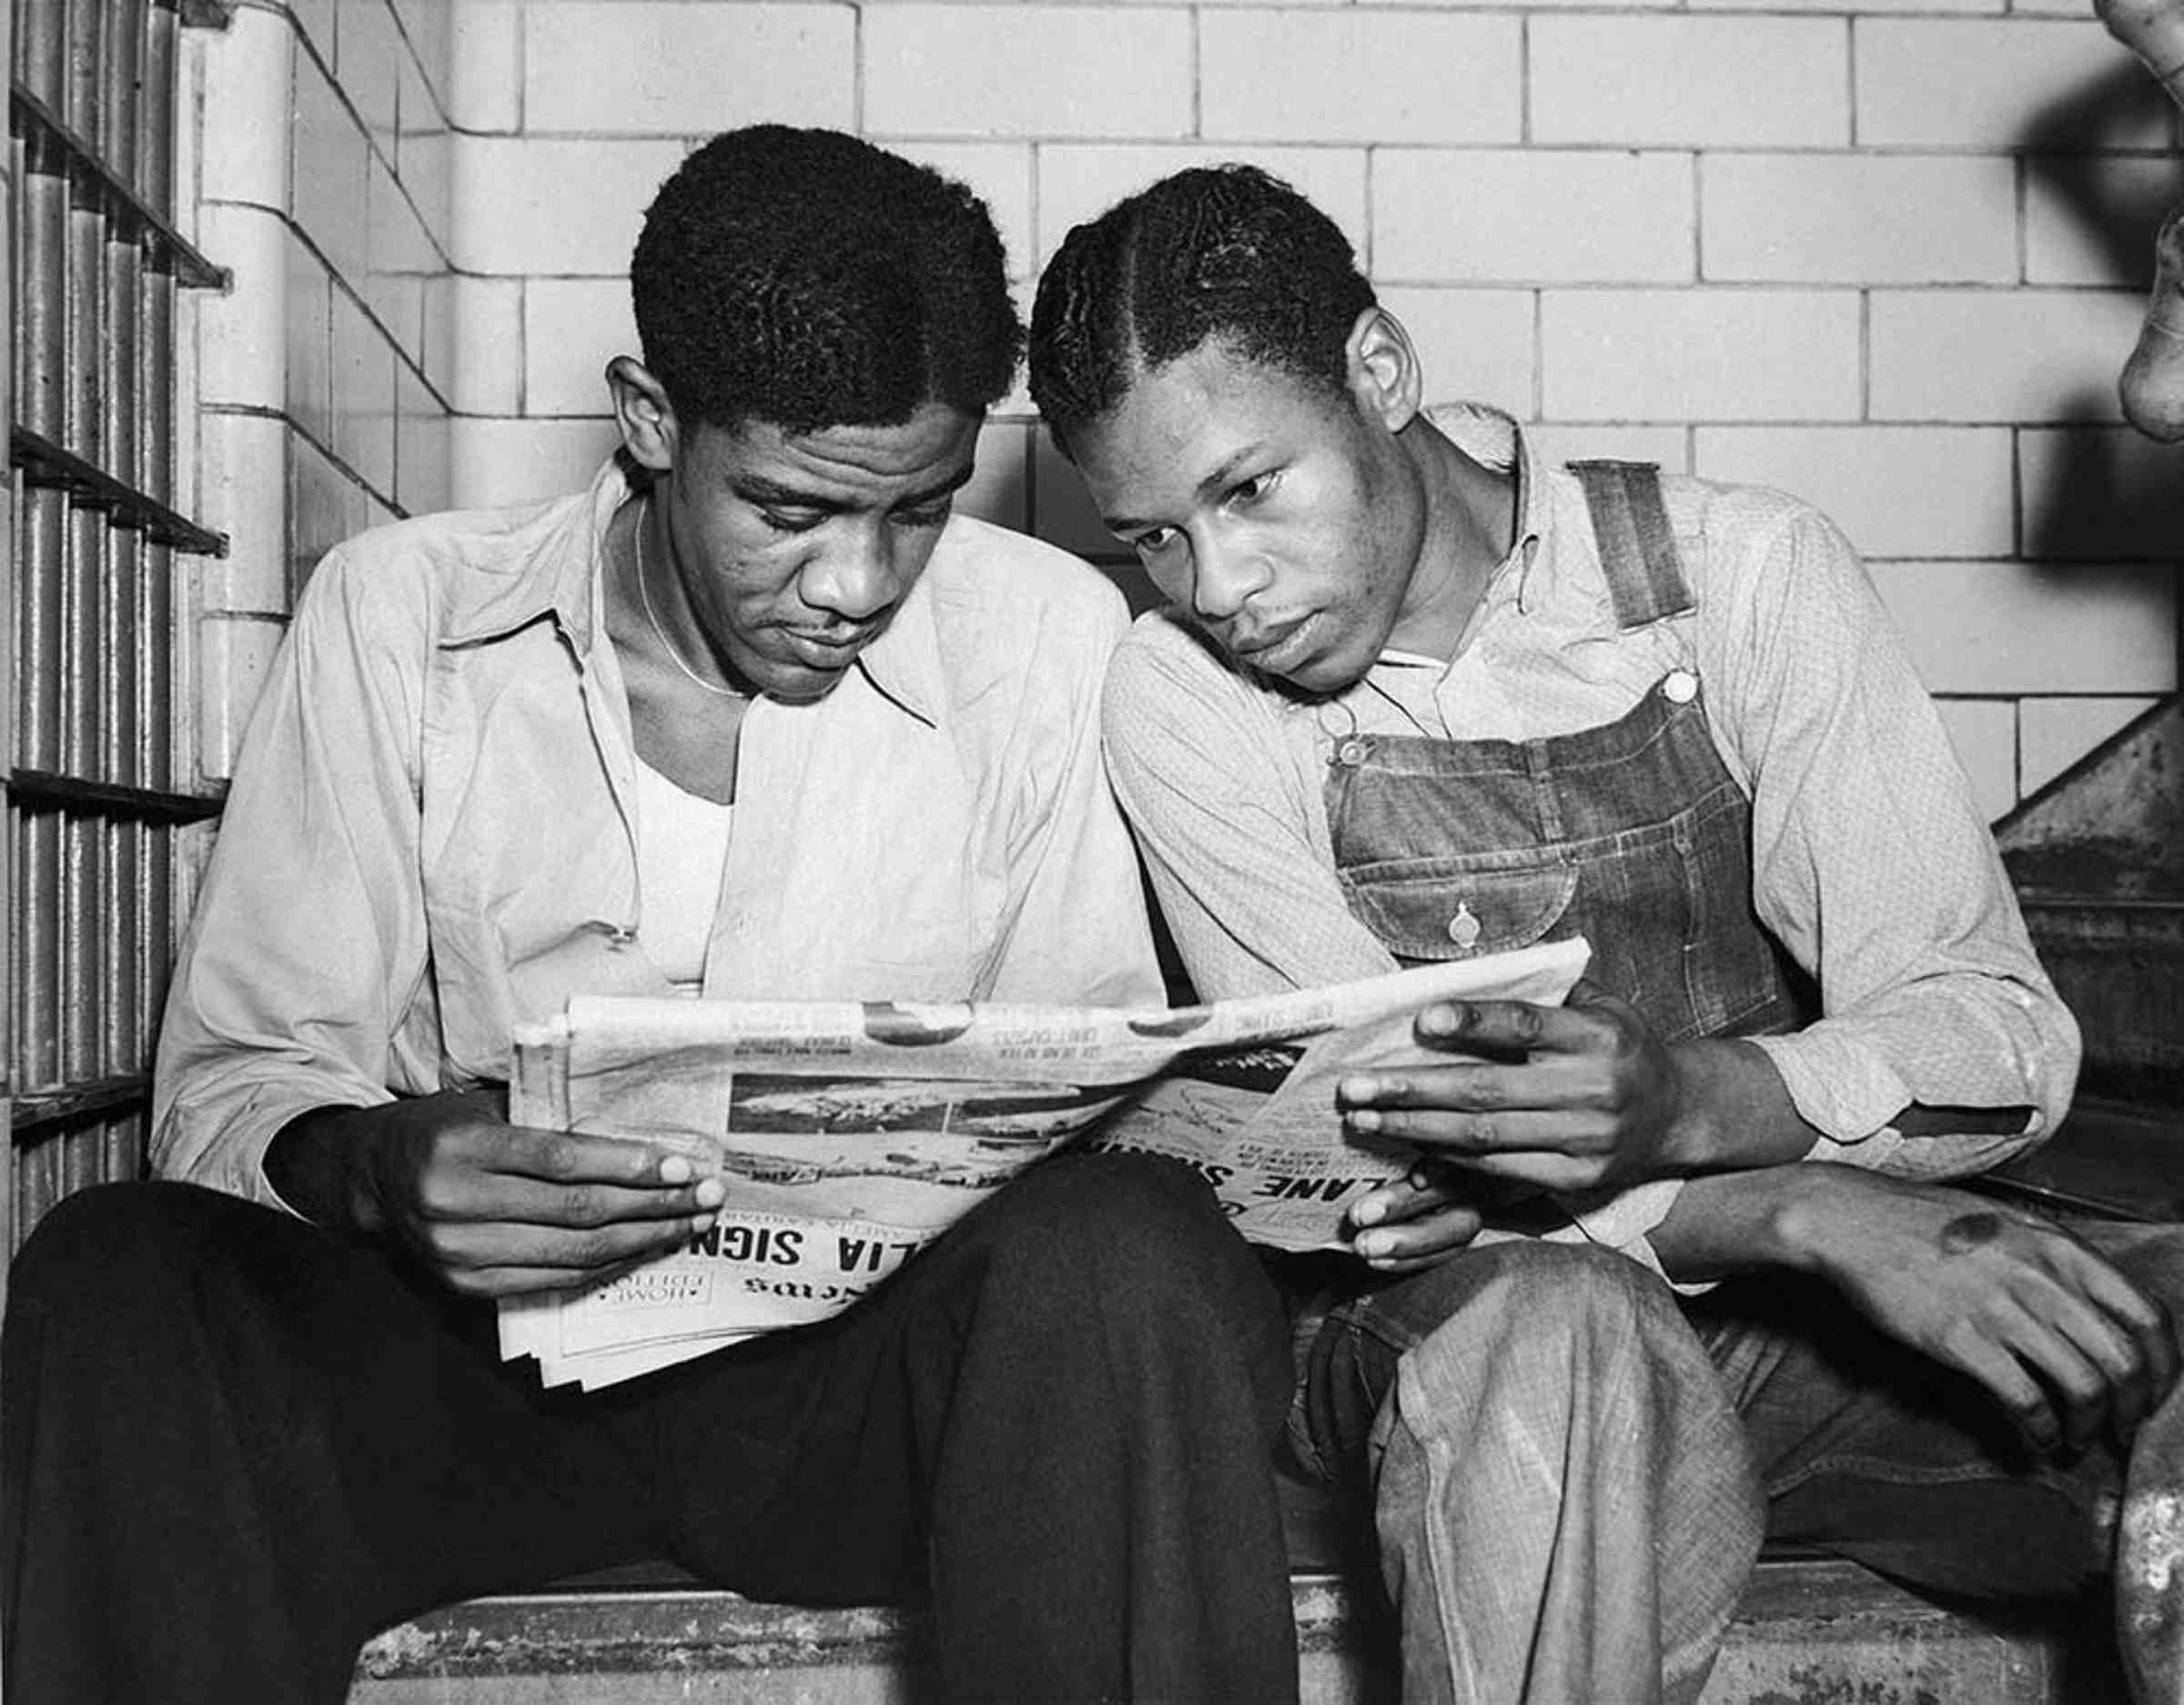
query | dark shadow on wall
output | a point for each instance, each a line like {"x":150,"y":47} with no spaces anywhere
{"x":2094,"y":491}
{"x":2098,"y":492}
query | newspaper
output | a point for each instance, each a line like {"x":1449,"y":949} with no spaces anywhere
{"x":852,"y":1133}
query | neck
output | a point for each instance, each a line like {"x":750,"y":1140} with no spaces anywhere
{"x":647,"y":608}
{"x":1471,"y":518}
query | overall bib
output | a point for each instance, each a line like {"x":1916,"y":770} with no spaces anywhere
{"x":1633,"y":834}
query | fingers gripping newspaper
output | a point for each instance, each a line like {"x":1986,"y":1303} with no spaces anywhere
{"x":852,"y":1133}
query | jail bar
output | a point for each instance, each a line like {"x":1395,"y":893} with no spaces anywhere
{"x":96,"y":806}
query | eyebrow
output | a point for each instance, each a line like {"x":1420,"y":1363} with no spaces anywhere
{"x":1223,"y":473}
{"x":755,"y":489}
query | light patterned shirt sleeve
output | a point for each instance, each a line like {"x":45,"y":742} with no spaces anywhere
{"x":1870,"y":860}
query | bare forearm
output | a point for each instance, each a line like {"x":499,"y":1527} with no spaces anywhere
{"x":1743,"y":1137}
{"x":1736,"y":1222}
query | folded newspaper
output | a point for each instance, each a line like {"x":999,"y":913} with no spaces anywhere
{"x":851,"y":1134}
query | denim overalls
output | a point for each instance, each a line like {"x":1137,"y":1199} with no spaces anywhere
{"x":1633,"y":834}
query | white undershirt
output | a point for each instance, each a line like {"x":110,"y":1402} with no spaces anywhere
{"x":682,"y":849}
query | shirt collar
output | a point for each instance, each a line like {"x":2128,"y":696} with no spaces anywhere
{"x":561,"y":575}
{"x":904,"y":664}
{"x":1493,"y":437}
{"x":551,"y":568}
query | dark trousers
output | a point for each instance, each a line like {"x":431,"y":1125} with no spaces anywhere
{"x":235,"y":1444}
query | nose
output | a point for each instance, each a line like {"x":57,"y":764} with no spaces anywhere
{"x":854,"y":576}
{"x":1224,"y":576}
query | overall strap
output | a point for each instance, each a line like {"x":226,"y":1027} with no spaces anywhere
{"x":1637,"y":546}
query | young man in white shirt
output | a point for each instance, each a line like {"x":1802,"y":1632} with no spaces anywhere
{"x":754,"y":715}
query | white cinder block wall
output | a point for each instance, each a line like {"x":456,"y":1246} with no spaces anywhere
{"x":323,"y":167}
{"x":1889,"y":254}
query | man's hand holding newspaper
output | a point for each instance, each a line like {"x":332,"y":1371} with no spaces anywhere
{"x":851,"y":1134}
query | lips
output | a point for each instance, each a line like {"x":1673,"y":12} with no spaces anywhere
{"x":834,"y":648}
{"x":1266,"y":648}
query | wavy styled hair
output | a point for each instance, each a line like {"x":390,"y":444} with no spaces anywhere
{"x":809,"y":280}
{"x":1226,"y":252}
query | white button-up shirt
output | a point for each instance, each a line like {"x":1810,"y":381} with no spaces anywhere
{"x":431,"y":834}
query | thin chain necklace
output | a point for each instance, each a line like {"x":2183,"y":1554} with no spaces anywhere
{"x":644,"y":595}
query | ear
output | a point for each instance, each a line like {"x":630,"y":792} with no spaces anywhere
{"x":1383,"y":372}
{"x":644,"y":414}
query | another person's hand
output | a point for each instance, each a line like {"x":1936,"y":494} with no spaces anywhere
{"x":1565,"y":1098}
{"x":2065,"y":1343}
{"x":1411,"y":1223}
{"x":496,"y":1209}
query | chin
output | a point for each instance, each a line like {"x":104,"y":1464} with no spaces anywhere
{"x":1324,"y":677}
{"x":797,"y":686}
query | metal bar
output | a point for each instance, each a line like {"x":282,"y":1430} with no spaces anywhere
{"x":34,"y":962}
{"x":155,"y":124}
{"x":121,"y":742}
{"x":82,"y":595}
{"x":121,"y":348}
{"x":82,"y":990}
{"x":37,"y":1180}
{"x":83,"y":1148}
{"x":121,"y":68}
{"x":122,"y":1047}
{"x":83,"y":418}
{"x":32,"y":787}
{"x":170,"y":249}
{"x":45,"y":463}
{"x":123,"y":1162}
{"x":42,"y":524}
{"x":83,"y":80}
{"x":156,"y":424}
{"x":156,"y":939}
{"x":41,"y":48}
{"x":42,"y":355}
{"x":76,"y":1100}
{"x":156,"y":670}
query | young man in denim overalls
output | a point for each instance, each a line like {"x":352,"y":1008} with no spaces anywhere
{"x":1424,"y":696}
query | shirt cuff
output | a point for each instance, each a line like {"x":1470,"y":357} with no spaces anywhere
{"x":1623,"y":1220}
{"x":221,"y":1142}
{"x":1841,"y":1087}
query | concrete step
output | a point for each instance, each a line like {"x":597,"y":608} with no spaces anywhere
{"x":1811,"y":1632}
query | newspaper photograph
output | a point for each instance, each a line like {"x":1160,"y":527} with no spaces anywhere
{"x":852,"y":1133}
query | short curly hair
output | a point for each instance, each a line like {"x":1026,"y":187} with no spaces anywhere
{"x":1227,"y":252}
{"x":809,"y":280}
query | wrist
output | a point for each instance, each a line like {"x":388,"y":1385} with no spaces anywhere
{"x":318,"y":1164}
{"x":1694,"y":1140}
{"x":1796,"y":1229}
{"x":1730,"y":1110}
